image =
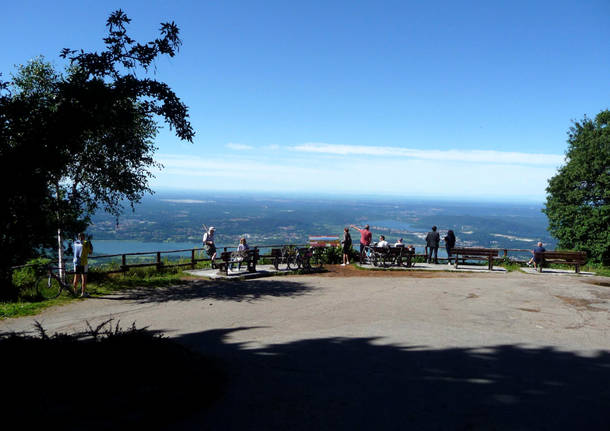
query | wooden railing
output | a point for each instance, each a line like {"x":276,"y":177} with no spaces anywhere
{"x":194,"y":257}
{"x":159,"y":263}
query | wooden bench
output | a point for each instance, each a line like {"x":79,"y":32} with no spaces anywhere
{"x":403,"y":256}
{"x":386,"y":256}
{"x":380,"y":256}
{"x":472,"y":253}
{"x":576,"y":258}
{"x":249,"y":257}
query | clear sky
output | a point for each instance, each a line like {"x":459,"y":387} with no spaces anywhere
{"x":467,"y":99}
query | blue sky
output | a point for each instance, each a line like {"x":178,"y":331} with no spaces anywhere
{"x":443,"y":99}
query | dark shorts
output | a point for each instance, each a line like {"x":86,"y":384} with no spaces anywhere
{"x":210,"y":250}
{"x":79,"y":269}
{"x":346,"y":248}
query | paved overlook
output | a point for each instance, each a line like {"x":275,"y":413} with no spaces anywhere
{"x":354,"y":349}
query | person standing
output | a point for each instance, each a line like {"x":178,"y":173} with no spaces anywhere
{"x":346,"y":243}
{"x":81,"y":249}
{"x":433,"y":239}
{"x":210,"y":246}
{"x":365,"y":239}
{"x":449,"y":244}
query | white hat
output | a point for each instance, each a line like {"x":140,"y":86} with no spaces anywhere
{"x":212,"y":228}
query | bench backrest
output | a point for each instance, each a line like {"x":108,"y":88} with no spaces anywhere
{"x":401,"y":251}
{"x":475,"y":251}
{"x":251,"y":253}
{"x":381,"y":249}
{"x":568,"y":256}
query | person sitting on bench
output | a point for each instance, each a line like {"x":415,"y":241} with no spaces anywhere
{"x":382,"y":242}
{"x":536,"y":260}
{"x":241,"y":248}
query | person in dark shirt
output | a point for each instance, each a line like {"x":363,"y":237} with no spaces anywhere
{"x":538,"y":249}
{"x":433,"y":239}
{"x":346,"y":244}
{"x":449,"y":244}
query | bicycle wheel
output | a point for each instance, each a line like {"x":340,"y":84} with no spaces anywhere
{"x":48,"y":287}
{"x":316,"y":258}
{"x":290,"y":261}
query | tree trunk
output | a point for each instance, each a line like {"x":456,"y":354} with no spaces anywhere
{"x":60,"y":256}
{"x":60,"y":248}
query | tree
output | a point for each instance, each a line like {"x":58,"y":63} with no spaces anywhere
{"x":82,"y":140}
{"x":578,"y":197}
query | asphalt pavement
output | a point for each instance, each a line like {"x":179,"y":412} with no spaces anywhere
{"x":356,"y":349}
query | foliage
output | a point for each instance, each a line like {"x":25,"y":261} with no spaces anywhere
{"x":142,"y":395}
{"x":82,"y":140}
{"x":26,"y":303}
{"x":332,"y":255}
{"x":578,"y":200}
{"x":26,"y":276}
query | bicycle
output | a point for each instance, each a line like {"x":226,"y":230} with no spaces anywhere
{"x":288,"y":256}
{"x":49,"y":284}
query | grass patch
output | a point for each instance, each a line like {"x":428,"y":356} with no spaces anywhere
{"x":102,"y":284}
{"x":103,"y":378}
{"x":600,"y":270}
{"x":99,"y":283}
{"x":30,"y":307}
{"x":509,"y":266}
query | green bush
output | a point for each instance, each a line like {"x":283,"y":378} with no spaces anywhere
{"x":25,"y":277}
{"x":332,"y":255}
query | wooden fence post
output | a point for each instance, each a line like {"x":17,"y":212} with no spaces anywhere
{"x":158,"y":261}
{"x":124,"y":263}
{"x":193,"y":259}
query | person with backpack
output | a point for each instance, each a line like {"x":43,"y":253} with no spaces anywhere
{"x":208,"y":243}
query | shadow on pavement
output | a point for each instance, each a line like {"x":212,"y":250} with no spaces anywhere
{"x":225,"y":290}
{"x":358,"y":383}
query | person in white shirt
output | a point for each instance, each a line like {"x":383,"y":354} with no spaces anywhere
{"x":242,"y":247}
{"x":382,"y":242}
{"x":208,"y":243}
{"x":399,"y":243}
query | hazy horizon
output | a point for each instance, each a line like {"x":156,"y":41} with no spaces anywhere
{"x":353,"y":195}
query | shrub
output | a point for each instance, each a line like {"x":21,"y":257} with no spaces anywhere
{"x":24,"y":278}
{"x":117,"y":396}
